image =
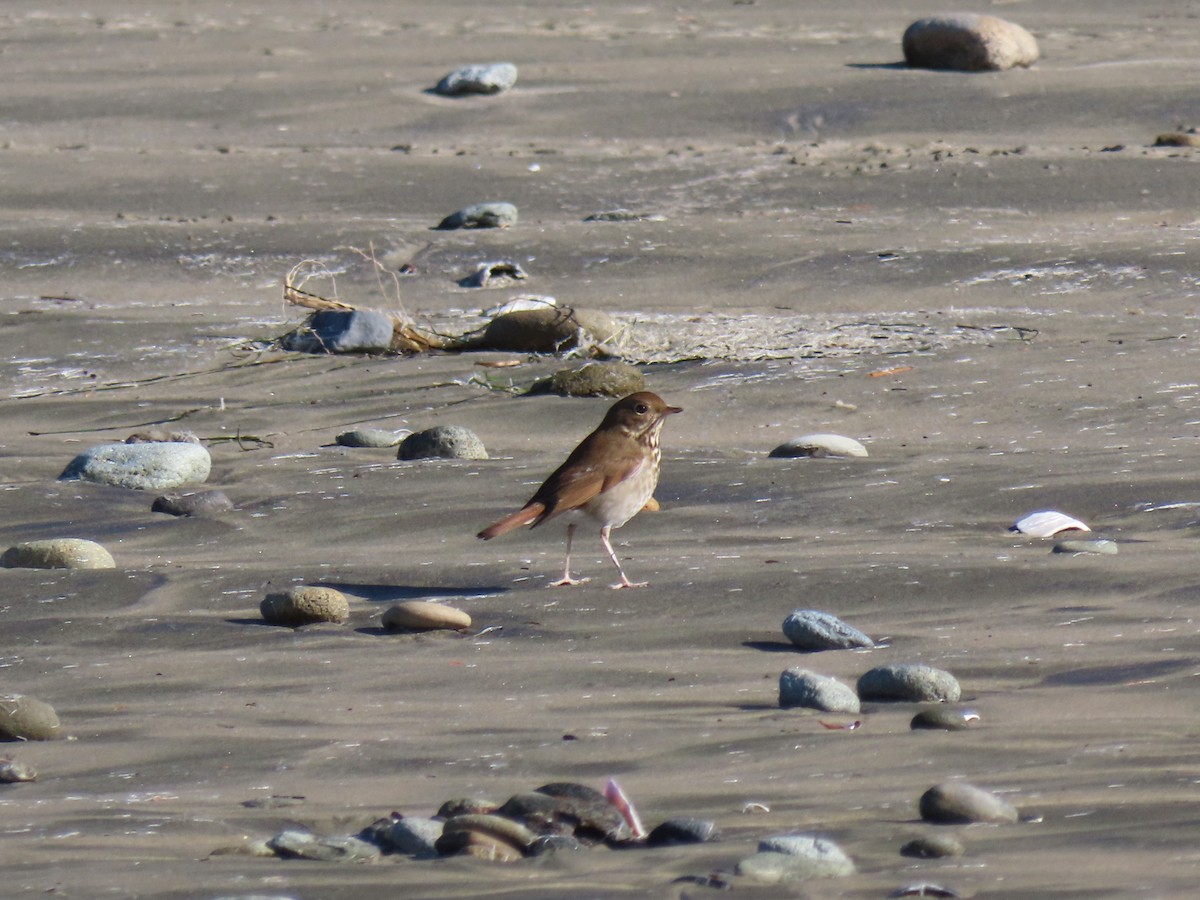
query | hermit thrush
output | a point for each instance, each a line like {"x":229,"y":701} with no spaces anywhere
{"x":609,"y":477}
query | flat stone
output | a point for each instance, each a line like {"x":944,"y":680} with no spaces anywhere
{"x":480,"y":215}
{"x":296,"y":844}
{"x":371,"y":437}
{"x":786,"y":858}
{"x":442,"y":442}
{"x":162,"y":436}
{"x":968,"y":42}
{"x":800,"y":687}
{"x":198,"y":504}
{"x":497,"y":825}
{"x":425,"y":615}
{"x":155,"y":466}
{"x":959,"y":802}
{"x":813,"y":630}
{"x":484,"y":78}
{"x":1178,"y":139}
{"x":548,"y":329}
{"x":57,"y":553}
{"x":343,"y":331}
{"x":820,"y":445}
{"x":305,"y":605}
{"x":910,"y":682}
{"x":24,"y":718}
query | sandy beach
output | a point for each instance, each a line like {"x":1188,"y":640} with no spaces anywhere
{"x":990,"y":280}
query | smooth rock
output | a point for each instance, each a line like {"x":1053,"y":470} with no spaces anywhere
{"x":425,"y":615}
{"x":480,"y":844}
{"x":540,"y":813}
{"x":415,"y":836}
{"x":943,"y":718}
{"x":57,"y":553}
{"x":959,"y":802}
{"x":156,"y":466}
{"x":933,"y":846}
{"x":683,"y":830}
{"x":295,"y":844}
{"x":546,"y":844}
{"x":343,"y":331}
{"x":968,"y":42}
{"x":371,"y":437}
{"x":813,"y":630}
{"x":493,"y":274}
{"x":305,"y":605}
{"x":198,"y":504}
{"x":162,"y":436}
{"x":548,"y":330}
{"x":13,"y":772}
{"x":594,"y":379}
{"x":442,"y":442}
{"x":1178,"y":139}
{"x":494,"y":824}
{"x":24,"y":718}
{"x":908,"y":682}
{"x":785,"y":858}
{"x":819,"y":445}
{"x":484,"y":78}
{"x":520,"y":303}
{"x":480,"y":215}
{"x":800,"y":687}
{"x":461,"y":806}
{"x":596,"y":818}
{"x":1101,"y":546}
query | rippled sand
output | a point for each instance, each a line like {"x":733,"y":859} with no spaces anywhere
{"x":990,"y":280}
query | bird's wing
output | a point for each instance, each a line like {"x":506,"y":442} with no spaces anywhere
{"x":573,"y":485}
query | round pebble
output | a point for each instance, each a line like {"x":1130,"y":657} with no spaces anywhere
{"x":933,"y":846}
{"x":27,"y":719}
{"x":813,"y":630}
{"x":442,"y":442}
{"x":968,"y":42}
{"x":943,"y":718}
{"x":548,"y":329}
{"x":480,"y":215}
{"x":305,"y":606}
{"x":371,"y":437}
{"x":820,"y":445}
{"x":800,"y":687}
{"x":199,"y":504}
{"x":908,"y":682}
{"x":154,"y":466}
{"x":57,"y":553}
{"x":683,"y":830}
{"x":959,"y":802}
{"x":485,"y":78}
{"x":595,"y":379}
{"x":425,"y":615}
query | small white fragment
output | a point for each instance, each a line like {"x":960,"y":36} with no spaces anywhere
{"x":1047,"y":523}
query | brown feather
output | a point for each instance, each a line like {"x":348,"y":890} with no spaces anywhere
{"x":528,"y":513}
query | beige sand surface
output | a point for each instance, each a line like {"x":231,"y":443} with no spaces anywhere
{"x":1011,"y":237}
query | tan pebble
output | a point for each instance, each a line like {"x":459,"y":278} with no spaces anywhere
{"x":424,"y":615}
{"x":305,"y":605}
{"x":1177,"y":139}
{"x":486,"y":846}
{"x":498,"y":826}
{"x":57,"y":553}
{"x":26,"y":719}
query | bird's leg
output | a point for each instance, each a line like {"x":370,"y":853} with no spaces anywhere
{"x":567,"y":580}
{"x":624,"y":582}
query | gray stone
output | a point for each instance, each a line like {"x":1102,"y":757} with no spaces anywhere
{"x":933,"y":846}
{"x":968,"y":42}
{"x":960,"y":803}
{"x":908,"y":682}
{"x":158,"y":466}
{"x":481,"y":215}
{"x":296,"y":844}
{"x":485,"y":78}
{"x":200,"y":504}
{"x":371,"y":437}
{"x":343,"y":331}
{"x":683,"y":830}
{"x":415,"y":836}
{"x":625,"y":215}
{"x":25,"y":718}
{"x":795,"y":857}
{"x":800,"y":687}
{"x":57,"y":553}
{"x":811,"y":629}
{"x":443,"y":442}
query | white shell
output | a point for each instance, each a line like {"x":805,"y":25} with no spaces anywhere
{"x":1047,"y":523}
{"x":820,"y":445}
{"x":493,"y":274}
{"x":516,"y":304}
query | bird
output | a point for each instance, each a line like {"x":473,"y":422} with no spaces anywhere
{"x":609,"y":477}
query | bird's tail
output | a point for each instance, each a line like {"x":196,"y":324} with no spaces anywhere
{"x":528,"y":515}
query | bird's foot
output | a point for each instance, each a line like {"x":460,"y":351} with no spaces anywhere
{"x":568,"y":581}
{"x":626,"y":583}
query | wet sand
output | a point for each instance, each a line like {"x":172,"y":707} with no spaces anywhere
{"x":1033,"y":289}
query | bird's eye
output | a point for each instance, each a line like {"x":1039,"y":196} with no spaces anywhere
{"x":641,"y":409}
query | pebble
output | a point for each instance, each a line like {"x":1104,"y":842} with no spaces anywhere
{"x":1178,"y":139}
{"x":546,"y":844}
{"x":933,"y":846}
{"x":156,"y":466}
{"x":943,"y":718}
{"x":1047,"y":523}
{"x":13,"y":772}
{"x":480,"y":215}
{"x":548,"y":330}
{"x":25,"y":718}
{"x":819,"y":445}
{"x":305,"y":605}
{"x":800,"y":687}
{"x":795,"y":857}
{"x":811,"y":629}
{"x":485,"y":78}
{"x":415,"y":836}
{"x":908,"y":682}
{"x":371,"y":437}
{"x":442,"y":442}
{"x":480,"y":844}
{"x":968,"y":42}
{"x":57,"y":553}
{"x":342,"y":331}
{"x":424,"y":615}
{"x":597,"y":818}
{"x":683,"y":830}
{"x":959,"y":802}
{"x":200,"y":504}
{"x":296,"y":844}
{"x":594,"y":379}
{"x":494,"y":274}
{"x":1105,"y":547}
{"x":162,"y":436}
{"x":462,"y":805}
